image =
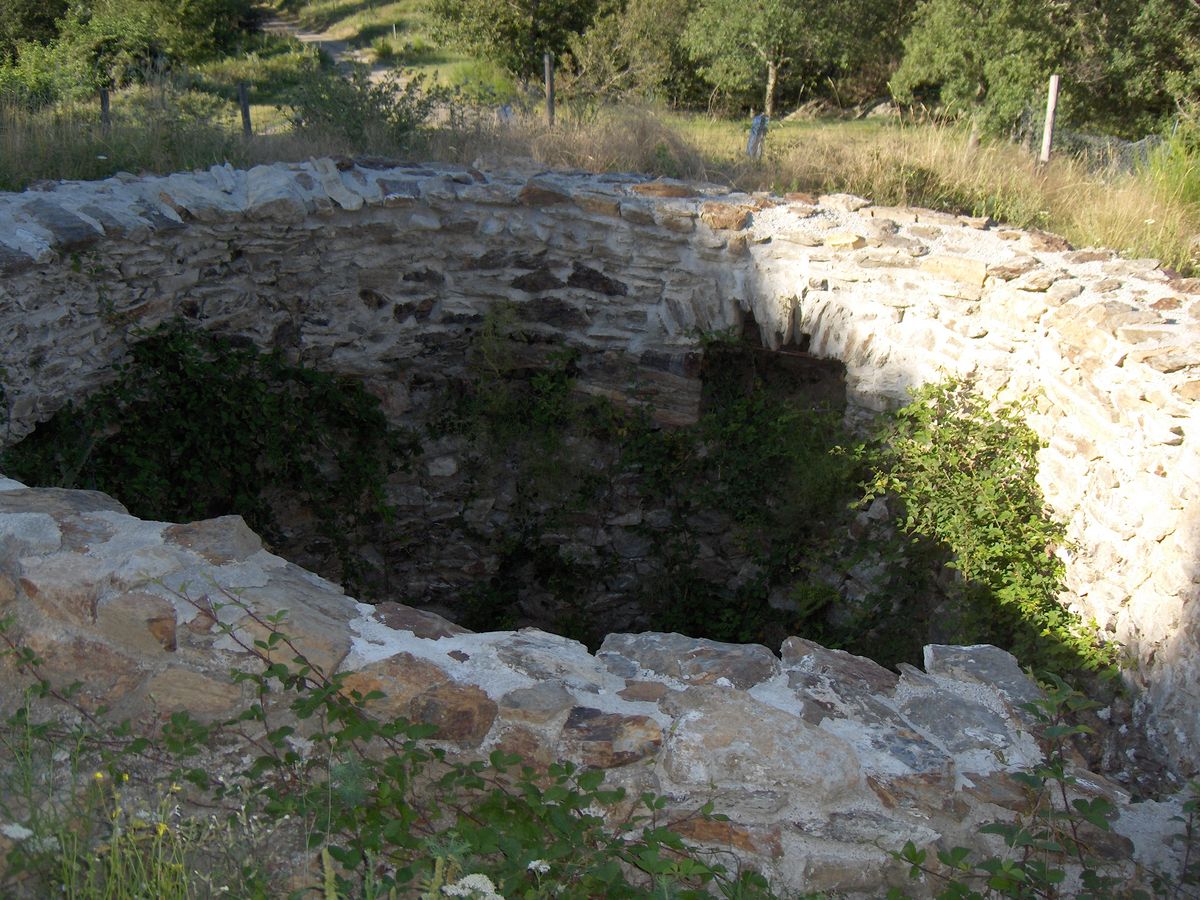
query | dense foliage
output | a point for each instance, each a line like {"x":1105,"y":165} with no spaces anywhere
{"x":1126,"y":65}
{"x":514,"y":34}
{"x":965,"y":472}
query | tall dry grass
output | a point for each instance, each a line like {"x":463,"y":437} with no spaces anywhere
{"x":147,"y":134}
{"x":1154,"y":212}
{"x":630,"y":140}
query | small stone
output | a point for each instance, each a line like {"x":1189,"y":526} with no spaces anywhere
{"x":607,"y":740}
{"x":538,"y":193}
{"x":220,"y":541}
{"x":442,"y":467}
{"x":644,"y":691}
{"x":725,"y":216}
{"x":598,"y":204}
{"x":843,"y":240}
{"x":1167,"y":304}
{"x":843,"y":202}
{"x":758,"y":840}
{"x":421,"y":623}
{"x":540,"y":279}
{"x":985,"y":665}
{"x":693,"y":660}
{"x":536,"y":705}
{"x":801,"y":197}
{"x":1045,"y":242}
{"x":968,"y":271}
{"x":1037,"y":281}
{"x":589,"y":279}
{"x":1014,"y":268}
{"x":462,"y":712}
{"x":663,"y":189}
{"x":400,"y":678}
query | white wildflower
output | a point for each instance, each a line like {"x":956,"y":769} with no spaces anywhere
{"x":538,"y":867}
{"x":476,"y":887}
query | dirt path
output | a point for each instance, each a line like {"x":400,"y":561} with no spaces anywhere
{"x":341,"y":52}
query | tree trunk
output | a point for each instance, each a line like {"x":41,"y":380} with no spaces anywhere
{"x":772,"y":82}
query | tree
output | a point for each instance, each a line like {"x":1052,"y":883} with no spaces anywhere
{"x":741,"y":44}
{"x":987,"y":58}
{"x":28,"y":20}
{"x":1126,"y":65}
{"x":635,"y":47}
{"x":512,"y":33}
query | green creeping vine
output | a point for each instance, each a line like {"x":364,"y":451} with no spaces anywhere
{"x":196,"y":426}
{"x":313,"y":773}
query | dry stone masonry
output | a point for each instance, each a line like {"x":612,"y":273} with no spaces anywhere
{"x":385,"y":270}
{"x":823,"y":761}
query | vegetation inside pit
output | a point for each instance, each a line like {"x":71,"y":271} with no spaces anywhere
{"x":768,"y":480}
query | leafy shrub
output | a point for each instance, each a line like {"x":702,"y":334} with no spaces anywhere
{"x":965,"y":471}
{"x":384,"y":114}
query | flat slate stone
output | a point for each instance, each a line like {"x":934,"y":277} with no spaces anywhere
{"x":70,"y":232}
{"x":692,"y":660}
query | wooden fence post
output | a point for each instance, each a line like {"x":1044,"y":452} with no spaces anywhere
{"x":548,"y":63}
{"x":1048,"y":129}
{"x":244,"y":103}
{"x":105,"y":116}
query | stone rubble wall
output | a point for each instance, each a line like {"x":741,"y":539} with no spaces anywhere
{"x":823,"y":761}
{"x":381,"y":270}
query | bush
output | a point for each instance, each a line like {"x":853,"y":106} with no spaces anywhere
{"x":383,"y":115}
{"x":965,"y":471}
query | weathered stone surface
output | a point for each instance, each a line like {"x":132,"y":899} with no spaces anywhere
{"x":730,"y":741}
{"x":843,"y":202}
{"x":958,"y":268}
{"x":845,"y":241}
{"x":462,"y":713}
{"x":800,"y":655}
{"x":223,"y":540}
{"x":538,"y":193}
{"x":985,"y":665}
{"x":593,"y":280}
{"x":606,"y":740}
{"x":183,"y":690}
{"x":139,"y":621}
{"x":421,"y":623}
{"x":664,"y":189}
{"x":400,"y":677}
{"x":539,"y":704}
{"x":748,"y":839}
{"x":692,"y":660}
{"x":725,"y":216}
{"x":957,"y":723}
